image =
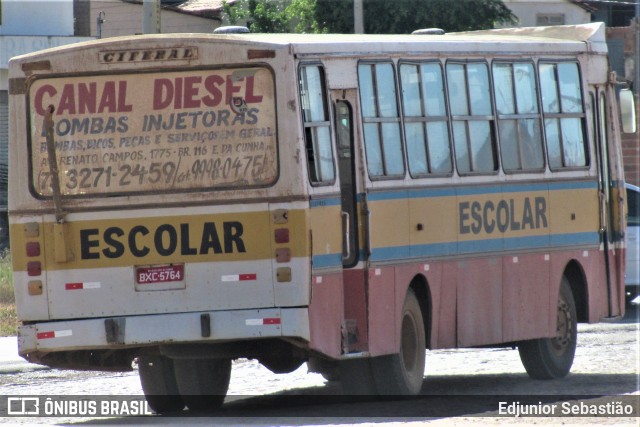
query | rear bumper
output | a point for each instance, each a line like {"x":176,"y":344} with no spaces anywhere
{"x":139,"y":331}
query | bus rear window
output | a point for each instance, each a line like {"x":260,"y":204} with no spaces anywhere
{"x":149,"y":132}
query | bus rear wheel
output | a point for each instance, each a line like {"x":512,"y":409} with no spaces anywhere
{"x":203,"y":383}
{"x":403,"y":373}
{"x":159,"y":383}
{"x":549,"y":358}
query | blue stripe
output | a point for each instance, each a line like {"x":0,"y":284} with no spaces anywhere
{"x":326,"y":261}
{"x":482,"y":246}
{"x":460,"y":191}
{"x":480,"y":190}
{"x":319,"y":203}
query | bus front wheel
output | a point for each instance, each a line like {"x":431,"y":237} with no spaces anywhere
{"x":549,"y":358}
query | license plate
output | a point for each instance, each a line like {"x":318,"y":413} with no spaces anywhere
{"x":160,"y":274}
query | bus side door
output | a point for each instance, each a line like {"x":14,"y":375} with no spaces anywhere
{"x":355,"y":327}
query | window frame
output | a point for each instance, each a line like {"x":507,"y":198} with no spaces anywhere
{"x":518,"y":116}
{"x":491,"y":119}
{"x":314,"y":125}
{"x":582,"y":116}
{"x":378,"y":120}
{"x":425,"y":118}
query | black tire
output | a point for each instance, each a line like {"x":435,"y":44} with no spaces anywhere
{"x":549,"y":358}
{"x":203,"y":383}
{"x":356,"y":377}
{"x":402,"y":373}
{"x":330,"y":370}
{"x":159,"y":383}
{"x":332,"y":374}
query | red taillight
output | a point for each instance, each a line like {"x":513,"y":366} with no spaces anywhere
{"x":34,"y":268}
{"x":33,"y":249}
{"x":282,"y":235}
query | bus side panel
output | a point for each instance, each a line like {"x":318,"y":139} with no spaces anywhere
{"x":326,"y":313}
{"x":525,"y":308}
{"x":383,"y":306}
{"x":479,"y":301}
{"x":447,"y":318}
{"x":590,"y":264}
{"x":432,"y":273}
{"x":355,"y":309}
{"x":326,"y":310}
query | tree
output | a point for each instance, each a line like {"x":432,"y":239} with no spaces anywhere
{"x":380,"y":16}
{"x":274,"y":16}
{"x":405,"y":16}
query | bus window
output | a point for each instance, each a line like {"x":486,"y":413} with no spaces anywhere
{"x":518,"y":117}
{"x":316,"y":125}
{"x":472,"y":116}
{"x":425,"y":119}
{"x":563,"y":114}
{"x":381,"y":120}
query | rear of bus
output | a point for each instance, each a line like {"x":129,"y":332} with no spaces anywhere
{"x":176,"y":216}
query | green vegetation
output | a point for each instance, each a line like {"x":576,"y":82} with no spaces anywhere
{"x":8,"y":319}
{"x":380,"y":16}
{"x":274,"y":16}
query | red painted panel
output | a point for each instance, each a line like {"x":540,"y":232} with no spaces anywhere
{"x":526,"y":310}
{"x":325,"y":314}
{"x":447,"y":331}
{"x":479,"y":297}
{"x":355,"y":307}
{"x":432,"y":272}
{"x":383,"y":337}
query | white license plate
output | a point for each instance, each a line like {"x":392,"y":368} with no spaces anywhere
{"x":159,"y":277}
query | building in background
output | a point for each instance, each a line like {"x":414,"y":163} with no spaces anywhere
{"x":110,"y":18}
{"x":30,"y":25}
{"x":27,"y":26}
{"x":537,"y":13}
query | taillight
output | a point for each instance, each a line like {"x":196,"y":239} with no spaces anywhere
{"x":282,"y":254}
{"x":33,"y":249}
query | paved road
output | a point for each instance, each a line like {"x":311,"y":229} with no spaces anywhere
{"x":459,"y":388}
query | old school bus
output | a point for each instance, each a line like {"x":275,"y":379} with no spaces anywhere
{"x":346,"y":201}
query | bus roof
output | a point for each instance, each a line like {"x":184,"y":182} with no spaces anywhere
{"x":563,"y":38}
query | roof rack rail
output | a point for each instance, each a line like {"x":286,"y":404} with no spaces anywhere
{"x":429,"y":31}
{"x":231,"y":29}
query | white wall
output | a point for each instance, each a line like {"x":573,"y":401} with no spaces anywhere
{"x":124,"y":19}
{"x":37,"y":18}
{"x":527,"y":11}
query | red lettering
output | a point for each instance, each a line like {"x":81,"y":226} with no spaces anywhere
{"x":123,"y":107}
{"x":177,"y":103}
{"x":211,"y":83}
{"x":250,"y":98}
{"x":39,"y":98}
{"x":67,"y":100}
{"x":87,"y":96}
{"x":191,"y":91}
{"x":194,"y":92}
{"x":108,"y":101}
{"x":162,"y":94}
{"x":231,"y":89}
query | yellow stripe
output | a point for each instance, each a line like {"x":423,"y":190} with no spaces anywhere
{"x":198,"y":238}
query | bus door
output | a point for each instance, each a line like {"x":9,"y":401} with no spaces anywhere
{"x":354,"y":328}
{"x":609,"y":230}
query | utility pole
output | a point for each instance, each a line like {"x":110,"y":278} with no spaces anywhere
{"x":358,"y":17}
{"x":151,"y":16}
{"x":636,"y":62}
